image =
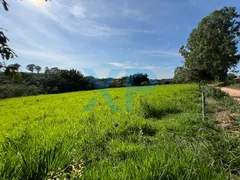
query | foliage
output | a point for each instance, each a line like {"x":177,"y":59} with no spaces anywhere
{"x":38,"y":68}
{"x":166,"y":81}
{"x":54,"y":136}
{"x":18,"y":90}
{"x":212,"y":47}
{"x":137,"y":79}
{"x":5,"y":51}
{"x":65,"y":81}
{"x":55,"y":80}
{"x":181,"y":75}
{"x":231,"y":76}
{"x":215,"y":93}
{"x":31,"y":67}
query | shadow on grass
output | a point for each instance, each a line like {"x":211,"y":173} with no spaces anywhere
{"x":158,"y":110}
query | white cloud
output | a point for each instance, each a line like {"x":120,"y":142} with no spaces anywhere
{"x":47,"y":55}
{"x":125,"y":65}
{"x":56,"y":58}
{"x":116,"y":64}
{"x":61,"y":13}
{"x":132,"y":65}
{"x":134,"y":13}
{"x":79,"y":11}
{"x":161,"y":53}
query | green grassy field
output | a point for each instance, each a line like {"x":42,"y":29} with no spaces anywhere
{"x":123,"y":133}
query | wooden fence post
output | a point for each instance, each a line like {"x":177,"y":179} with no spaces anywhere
{"x":203,"y":104}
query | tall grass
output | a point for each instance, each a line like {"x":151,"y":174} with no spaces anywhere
{"x":23,"y":159}
{"x":170,"y":159}
{"x":53,"y":137}
{"x":152,"y":108}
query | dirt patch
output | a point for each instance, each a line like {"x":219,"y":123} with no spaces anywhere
{"x":228,"y":121}
{"x":235,"y":94}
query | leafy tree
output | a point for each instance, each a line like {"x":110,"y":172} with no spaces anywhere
{"x":137,"y":79}
{"x":181,"y":75}
{"x":11,"y":70}
{"x":57,"y":80}
{"x":231,"y":76}
{"x":31,"y":67}
{"x":211,"y":49}
{"x":15,"y":66}
{"x":72,"y":80}
{"x":54,"y":70}
{"x":38,"y":68}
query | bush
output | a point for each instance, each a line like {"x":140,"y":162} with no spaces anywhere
{"x":18,"y":90}
{"x":215,"y":93}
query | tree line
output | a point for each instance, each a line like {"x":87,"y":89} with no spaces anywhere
{"x":55,"y":80}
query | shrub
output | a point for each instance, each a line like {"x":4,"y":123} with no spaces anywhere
{"x":18,"y":90}
{"x":215,"y":93}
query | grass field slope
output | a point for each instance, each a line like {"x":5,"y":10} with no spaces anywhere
{"x":153,"y":132}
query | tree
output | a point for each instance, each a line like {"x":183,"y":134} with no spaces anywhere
{"x":137,"y":79}
{"x":15,"y":66}
{"x":31,"y":67}
{"x":181,"y":75}
{"x":231,"y":76}
{"x":54,"y":70}
{"x":212,"y":49}
{"x":38,"y":68}
{"x":66,"y":81}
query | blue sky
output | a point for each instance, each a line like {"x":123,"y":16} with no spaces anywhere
{"x":105,"y":35}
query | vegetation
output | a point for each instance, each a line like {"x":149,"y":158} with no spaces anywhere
{"x":212,"y":48}
{"x":6,"y":52}
{"x":234,"y":85}
{"x":79,"y":136}
{"x":149,"y":132}
{"x":55,"y":80}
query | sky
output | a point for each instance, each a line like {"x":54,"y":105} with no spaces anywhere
{"x":104,"y":38}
